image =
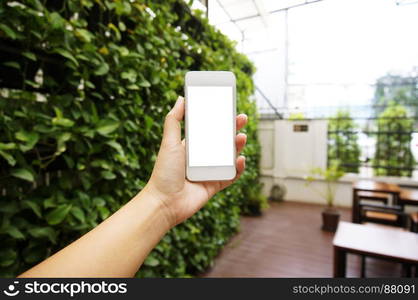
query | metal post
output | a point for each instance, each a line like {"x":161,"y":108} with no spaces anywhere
{"x":286,"y":60}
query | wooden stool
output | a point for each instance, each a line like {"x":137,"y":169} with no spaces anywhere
{"x":374,"y":196}
{"x":383,"y":214}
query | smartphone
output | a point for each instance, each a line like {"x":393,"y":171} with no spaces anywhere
{"x":210,"y":125}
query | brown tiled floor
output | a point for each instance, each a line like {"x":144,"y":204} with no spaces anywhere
{"x":287,"y":242}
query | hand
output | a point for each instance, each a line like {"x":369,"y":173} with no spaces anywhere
{"x":180,"y":197}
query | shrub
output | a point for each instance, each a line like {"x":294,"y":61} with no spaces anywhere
{"x":295,"y":116}
{"x":343,"y":142}
{"x":85,"y":86}
{"x":330,"y":175}
{"x":393,"y":156}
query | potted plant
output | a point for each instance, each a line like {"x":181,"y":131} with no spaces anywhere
{"x":256,"y":201}
{"x":331,"y":175}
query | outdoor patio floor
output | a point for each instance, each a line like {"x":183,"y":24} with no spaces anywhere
{"x":287,"y":242}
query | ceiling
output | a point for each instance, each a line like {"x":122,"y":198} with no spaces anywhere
{"x":248,"y":15}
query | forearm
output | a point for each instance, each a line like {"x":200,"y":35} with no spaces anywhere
{"x":115,"y":248}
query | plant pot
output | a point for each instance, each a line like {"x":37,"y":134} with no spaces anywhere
{"x":330,"y":219}
{"x":254,"y":210}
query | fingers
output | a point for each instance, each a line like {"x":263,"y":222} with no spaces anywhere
{"x":240,"y":166}
{"x":178,"y":109}
{"x":172,"y":127}
{"x":242,"y":120}
{"x":240,"y":141}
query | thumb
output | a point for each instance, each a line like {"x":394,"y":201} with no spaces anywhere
{"x":172,"y":127}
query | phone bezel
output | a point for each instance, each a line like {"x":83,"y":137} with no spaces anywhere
{"x":211,"y":78}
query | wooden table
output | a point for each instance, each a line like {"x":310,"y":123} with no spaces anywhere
{"x":408,"y":197}
{"x":385,"y":243}
{"x":371,"y":186}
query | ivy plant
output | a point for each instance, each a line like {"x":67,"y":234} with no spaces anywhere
{"x":343,"y":144}
{"x":393,"y":156}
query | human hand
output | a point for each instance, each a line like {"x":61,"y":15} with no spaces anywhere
{"x":180,"y":197}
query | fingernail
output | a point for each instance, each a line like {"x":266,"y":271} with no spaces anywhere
{"x":179,"y":98}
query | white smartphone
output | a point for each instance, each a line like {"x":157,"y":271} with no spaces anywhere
{"x":210,"y":125}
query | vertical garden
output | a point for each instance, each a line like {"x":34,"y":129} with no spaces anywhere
{"x":84,"y":88}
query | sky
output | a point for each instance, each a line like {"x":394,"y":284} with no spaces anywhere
{"x":337,"y":50}
{"x":352,"y":41}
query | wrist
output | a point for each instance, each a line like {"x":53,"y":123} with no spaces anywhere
{"x":159,"y":202}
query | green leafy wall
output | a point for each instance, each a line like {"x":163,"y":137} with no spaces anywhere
{"x":343,"y":147}
{"x":393,"y":156}
{"x":85,"y":86}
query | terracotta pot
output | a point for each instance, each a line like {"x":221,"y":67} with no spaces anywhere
{"x":330,"y":218}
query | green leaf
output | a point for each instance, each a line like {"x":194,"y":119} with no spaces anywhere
{"x":29,"y":55}
{"x":83,"y":35}
{"x":64,"y":122}
{"x":122,"y":26}
{"x":117,"y":146}
{"x":122,"y":7}
{"x":58,"y":112}
{"x":104,"y":212}
{"x":15,"y":233}
{"x":34,"y":207}
{"x":56,"y":20}
{"x":49,"y":202}
{"x":78,"y":213}
{"x":8,"y":31}
{"x":7,"y":146}
{"x":58,"y":214}
{"x":102,"y":70}
{"x":12,"y":64}
{"x":8,"y":257}
{"x":106,"y":126}
{"x":44,"y":232}
{"x":129,"y":75}
{"x":67,"y":54}
{"x":151,"y":261}
{"x":148,"y":122}
{"x":133,"y":87}
{"x":115,"y":30}
{"x":108,"y":175}
{"x":62,"y":138}
{"x":8,"y":157}
{"x":30,"y":139}
{"x":97,"y":201}
{"x":145,"y":83}
{"x":22,"y":173}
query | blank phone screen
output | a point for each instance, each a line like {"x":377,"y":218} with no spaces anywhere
{"x":210,"y":125}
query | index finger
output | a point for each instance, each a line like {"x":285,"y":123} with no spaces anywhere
{"x":242,"y":120}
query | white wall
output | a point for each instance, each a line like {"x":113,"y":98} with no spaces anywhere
{"x":290,"y":153}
